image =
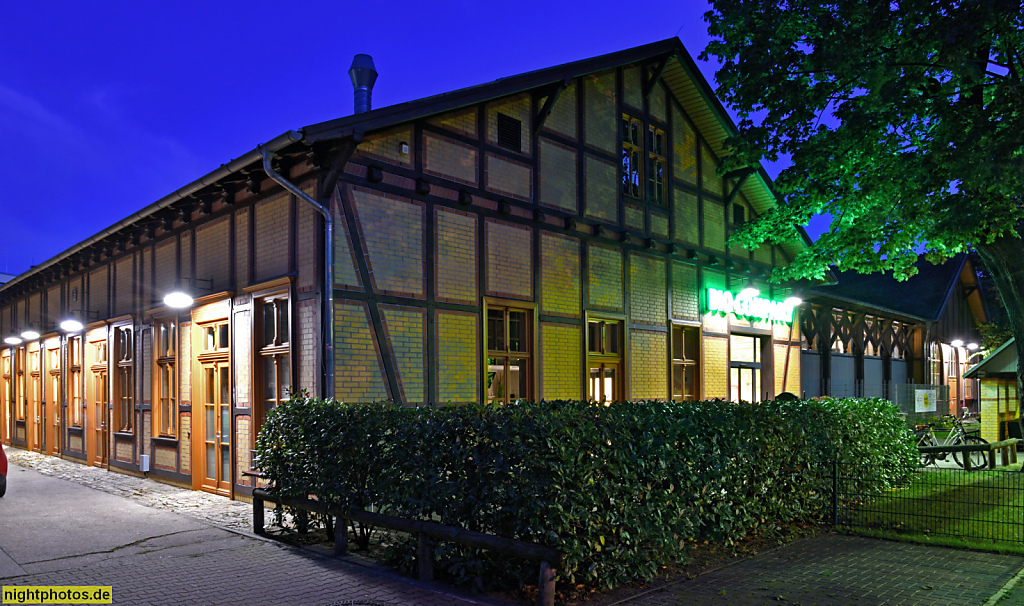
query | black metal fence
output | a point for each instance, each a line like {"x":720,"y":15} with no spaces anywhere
{"x":982,"y":508}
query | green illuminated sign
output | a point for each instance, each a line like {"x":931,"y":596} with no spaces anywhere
{"x":753,"y":308}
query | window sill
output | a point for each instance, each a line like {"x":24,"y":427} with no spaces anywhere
{"x":165,"y":440}
{"x":124,"y":434}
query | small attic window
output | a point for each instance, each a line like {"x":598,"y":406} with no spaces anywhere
{"x":739,"y":214}
{"x":510,"y":133}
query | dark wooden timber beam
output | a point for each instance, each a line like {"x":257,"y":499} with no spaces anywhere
{"x":743,"y":175}
{"x":656,"y":75}
{"x":549,"y":104}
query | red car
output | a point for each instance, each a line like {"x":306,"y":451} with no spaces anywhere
{"x":3,"y":471}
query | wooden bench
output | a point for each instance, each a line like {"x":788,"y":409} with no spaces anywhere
{"x":550,"y":559}
{"x":1008,"y":448}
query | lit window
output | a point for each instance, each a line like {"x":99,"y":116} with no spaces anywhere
{"x":124,"y":411}
{"x":632,"y":156}
{"x":274,"y":352}
{"x":509,"y":348}
{"x":166,"y":412}
{"x":604,"y":360}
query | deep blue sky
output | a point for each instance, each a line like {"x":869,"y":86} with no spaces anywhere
{"x":107,"y":106}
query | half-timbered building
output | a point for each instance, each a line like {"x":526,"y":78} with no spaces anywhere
{"x":558,"y":234}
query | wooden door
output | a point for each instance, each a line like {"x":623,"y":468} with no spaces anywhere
{"x":216,"y":427}
{"x":97,"y":405}
{"x":33,"y":392}
{"x":54,"y":398}
{"x":6,"y":397}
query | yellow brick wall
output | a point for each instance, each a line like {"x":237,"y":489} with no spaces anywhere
{"x":344,"y":264}
{"x":632,"y":91}
{"x":658,"y":103}
{"x":272,"y":237}
{"x":604,"y":277}
{"x":307,"y":313}
{"x":557,"y":175}
{"x":562,"y":118}
{"x":75,"y":443}
{"x":392,"y":230}
{"x":458,"y":368}
{"x":763,"y":254}
{"x":716,"y":323}
{"x":634,"y":216}
{"x":98,"y":295}
{"x":185,"y":441}
{"x":243,"y":445}
{"x":242,"y":335}
{"x":601,"y":118}
{"x":406,"y":333}
{"x":455,"y":256}
{"x":463,"y":122}
{"x":386,"y":147}
{"x":716,"y":367}
{"x":659,"y":225}
{"x":792,"y":384}
{"x":561,"y":351}
{"x":509,"y":269}
{"x":714,"y":225}
{"x":684,"y":145}
{"x":358,"y":377}
{"x":647,"y":291}
{"x":517,"y":107}
{"x":185,"y":249}
{"x":449,"y":159}
{"x":687,"y":217}
{"x":165,"y":458}
{"x":185,"y":363}
{"x":124,"y":272}
{"x":123,"y":450}
{"x":990,"y":409}
{"x":241,"y":247}
{"x":601,"y":189}
{"x":307,"y":244}
{"x":559,"y":275}
{"x":648,"y":365}
{"x":685,"y":294}
{"x":509,"y":177}
{"x":711,"y":181}
{"x":212,"y":255}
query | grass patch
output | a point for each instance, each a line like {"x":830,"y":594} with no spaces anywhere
{"x":949,"y":507}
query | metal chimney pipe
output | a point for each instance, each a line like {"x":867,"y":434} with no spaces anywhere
{"x":363,"y":75}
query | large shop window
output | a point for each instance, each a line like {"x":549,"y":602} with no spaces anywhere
{"x":274,"y":351}
{"x":745,"y":368}
{"x":166,"y":413}
{"x":604,"y":360}
{"x":685,"y":357}
{"x":509,"y":349}
{"x":124,"y":411}
{"x":75,"y":381}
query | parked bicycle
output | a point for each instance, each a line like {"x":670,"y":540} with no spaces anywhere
{"x":957,"y":436}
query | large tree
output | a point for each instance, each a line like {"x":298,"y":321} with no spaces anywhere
{"x":903,"y":120}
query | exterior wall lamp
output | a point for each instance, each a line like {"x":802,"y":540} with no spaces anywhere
{"x":750,"y":290}
{"x":30,"y":333}
{"x":13,"y":340}
{"x":181,"y":297}
{"x":73,"y":323}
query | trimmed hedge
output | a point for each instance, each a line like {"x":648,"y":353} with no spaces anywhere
{"x":621,"y":490}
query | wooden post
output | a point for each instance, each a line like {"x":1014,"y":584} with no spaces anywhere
{"x":546,"y":585}
{"x":424,"y":558}
{"x":991,"y":458}
{"x":340,"y":537}
{"x":1013,"y":453}
{"x":257,"y":515}
{"x":1004,"y":457}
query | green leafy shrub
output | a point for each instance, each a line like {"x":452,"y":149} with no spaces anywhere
{"x":619,"y":489}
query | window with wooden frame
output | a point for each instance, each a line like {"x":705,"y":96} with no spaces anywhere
{"x":165,"y":411}
{"x":124,"y":409}
{"x":274,"y":354}
{"x":53,"y":369}
{"x":656,"y":165}
{"x":19,"y":379}
{"x":509,"y":354}
{"x":685,"y":363}
{"x":632,"y":156}
{"x":604,"y":360}
{"x":216,"y":337}
{"x":8,"y":381}
{"x":75,"y":381}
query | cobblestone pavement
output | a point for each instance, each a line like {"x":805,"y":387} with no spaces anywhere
{"x":77,"y":536}
{"x":838,"y":570}
{"x":210,"y":508}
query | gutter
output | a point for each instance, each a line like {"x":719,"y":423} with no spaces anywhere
{"x":231,"y":167}
{"x":328,"y":299}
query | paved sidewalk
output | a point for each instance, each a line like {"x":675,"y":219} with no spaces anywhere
{"x":828,"y":569}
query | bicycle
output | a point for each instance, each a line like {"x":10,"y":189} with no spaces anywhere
{"x":925,"y":434}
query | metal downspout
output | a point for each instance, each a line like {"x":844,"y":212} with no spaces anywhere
{"x":328,"y":311}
